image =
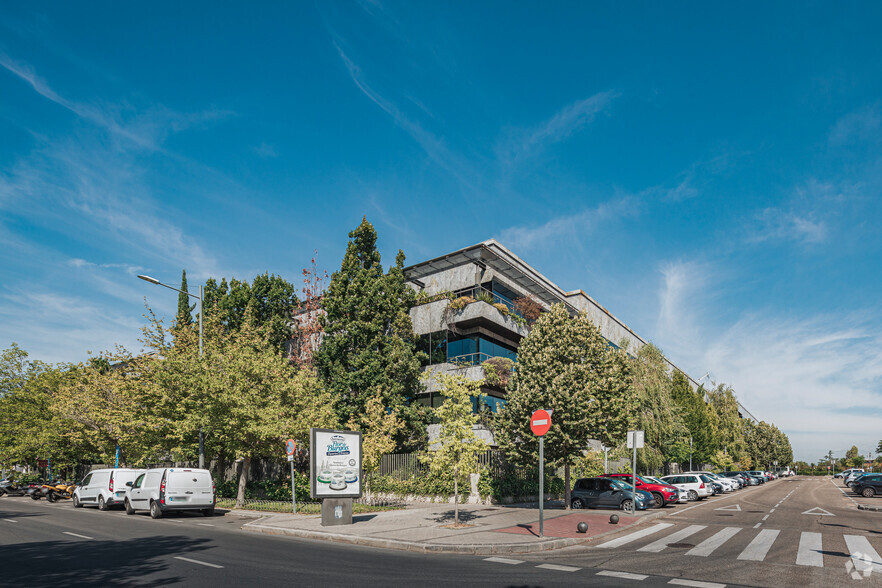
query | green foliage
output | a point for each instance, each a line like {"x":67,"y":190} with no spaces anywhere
{"x":268,"y":489}
{"x":268,"y":303}
{"x":484,"y":296}
{"x":730,"y":431}
{"x":422,"y":297}
{"x":368,"y":344}
{"x":457,"y":304}
{"x":497,"y":371}
{"x":184,"y":317}
{"x":700,"y":419}
{"x":502,"y":308}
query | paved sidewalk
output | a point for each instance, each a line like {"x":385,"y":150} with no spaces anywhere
{"x":491,"y":530}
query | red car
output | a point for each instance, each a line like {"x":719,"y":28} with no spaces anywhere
{"x":662,"y":493}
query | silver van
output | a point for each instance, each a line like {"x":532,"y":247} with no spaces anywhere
{"x":104,"y":488}
{"x":163,"y":489}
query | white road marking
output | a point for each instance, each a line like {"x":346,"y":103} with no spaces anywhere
{"x":863,"y":555}
{"x":757,"y":526}
{"x":10,"y":521}
{"x":706,"y":547}
{"x":765,"y":517}
{"x":76,"y":535}
{"x":196,"y":561}
{"x":637,"y":535}
{"x":558,"y":568}
{"x":809,"y":553}
{"x":734,"y":507}
{"x":205,"y":524}
{"x":760,"y":546}
{"x":773,"y":510}
{"x":819,"y":511}
{"x":504,"y":560}
{"x":679,"y":582}
{"x":658,"y":546}
{"x":624,"y":575}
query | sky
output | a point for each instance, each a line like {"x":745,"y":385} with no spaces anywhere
{"x":710,"y":174}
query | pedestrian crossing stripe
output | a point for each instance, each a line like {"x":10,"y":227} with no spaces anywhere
{"x":864,"y":559}
{"x":732,"y":507}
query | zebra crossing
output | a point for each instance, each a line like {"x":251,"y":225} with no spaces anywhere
{"x":750,"y":545}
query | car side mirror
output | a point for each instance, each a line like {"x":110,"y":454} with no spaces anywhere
{"x":129,"y":484}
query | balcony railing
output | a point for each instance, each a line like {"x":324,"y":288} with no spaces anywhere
{"x":482,"y":293}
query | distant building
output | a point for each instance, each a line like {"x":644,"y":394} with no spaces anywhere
{"x":461,"y":340}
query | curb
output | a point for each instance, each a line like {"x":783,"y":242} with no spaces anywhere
{"x":400,"y":545}
{"x":873,"y":508}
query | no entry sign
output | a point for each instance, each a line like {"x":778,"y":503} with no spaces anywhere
{"x":540,"y":422}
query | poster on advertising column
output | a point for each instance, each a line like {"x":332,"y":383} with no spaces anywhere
{"x":335,"y":464}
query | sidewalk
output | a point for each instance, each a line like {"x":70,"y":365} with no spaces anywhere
{"x":491,"y":530}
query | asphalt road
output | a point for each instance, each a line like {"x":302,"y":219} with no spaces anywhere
{"x":44,"y":544}
{"x":796,"y":531}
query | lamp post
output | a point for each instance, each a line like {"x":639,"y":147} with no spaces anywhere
{"x":199,"y":298}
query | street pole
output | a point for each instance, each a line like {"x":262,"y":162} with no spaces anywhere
{"x":293,"y":498}
{"x":605,"y":459}
{"x":690,"y":454}
{"x":541,"y":481}
{"x":201,"y":305}
{"x":634,"y":477}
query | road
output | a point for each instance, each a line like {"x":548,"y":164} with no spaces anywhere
{"x":797,"y":531}
{"x":756,"y":537}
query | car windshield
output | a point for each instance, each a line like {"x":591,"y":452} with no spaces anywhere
{"x":620,"y":485}
{"x":652,"y":480}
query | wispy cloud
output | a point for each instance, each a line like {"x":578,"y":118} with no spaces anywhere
{"x":266,"y":151}
{"x":569,"y":227}
{"x":820,"y":371}
{"x":773,"y":224}
{"x":860,"y":125}
{"x":521,"y":144}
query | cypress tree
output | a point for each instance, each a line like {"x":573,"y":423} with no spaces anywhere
{"x":368,"y":345}
{"x":184,"y":316}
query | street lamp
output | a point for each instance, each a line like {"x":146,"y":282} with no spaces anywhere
{"x":199,"y":298}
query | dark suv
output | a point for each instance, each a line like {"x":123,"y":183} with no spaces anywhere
{"x":663,"y":494}
{"x":868,"y":485}
{"x":607,"y":493}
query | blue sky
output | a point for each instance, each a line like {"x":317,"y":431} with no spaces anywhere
{"x":710,"y":175}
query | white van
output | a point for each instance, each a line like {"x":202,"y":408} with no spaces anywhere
{"x":104,"y":488}
{"x":163,"y":489}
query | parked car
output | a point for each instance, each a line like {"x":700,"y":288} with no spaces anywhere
{"x":845,"y":473}
{"x":104,"y":488}
{"x":760,"y":475}
{"x":607,"y":493}
{"x":726,"y":484}
{"x":694,"y":485}
{"x":164,"y":489}
{"x":850,"y":478}
{"x":661,"y":493}
{"x":682,"y":495}
{"x":869,"y":485}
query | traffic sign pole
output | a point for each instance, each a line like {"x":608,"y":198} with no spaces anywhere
{"x":541,"y":481}
{"x":290,"y":446}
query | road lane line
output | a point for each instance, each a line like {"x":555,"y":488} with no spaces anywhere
{"x":504,"y":560}
{"x":196,"y":561}
{"x":760,"y":546}
{"x":773,"y":510}
{"x":863,"y":555}
{"x":765,"y":517}
{"x":679,"y":582}
{"x":658,"y":546}
{"x":205,"y":524}
{"x":76,"y":535}
{"x":637,"y":535}
{"x":10,"y":521}
{"x":810,"y":548}
{"x":623,"y":575}
{"x":558,"y":568}
{"x":706,"y":547}
{"x":757,"y":526}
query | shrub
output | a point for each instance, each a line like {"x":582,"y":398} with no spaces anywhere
{"x":459,"y":303}
{"x":501,"y":308}
{"x":497,"y":371}
{"x":528,"y":307}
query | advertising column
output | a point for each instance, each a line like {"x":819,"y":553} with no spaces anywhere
{"x":335,"y":474}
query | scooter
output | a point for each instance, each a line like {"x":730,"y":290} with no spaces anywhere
{"x":11,"y":488}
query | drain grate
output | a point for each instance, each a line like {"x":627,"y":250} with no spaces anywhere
{"x":719,"y":514}
{"x":681,"y":545}
{"x":759,"y":511}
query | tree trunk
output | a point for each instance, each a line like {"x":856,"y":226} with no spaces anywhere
{"x":567,"y":491}
{"x":455,"y":497}
{"x":243,"y":479}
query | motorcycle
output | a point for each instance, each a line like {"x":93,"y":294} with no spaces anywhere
{"x":58,"y":490}
{"x":12,"y":488}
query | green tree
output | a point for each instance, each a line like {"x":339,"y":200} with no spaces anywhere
{"x":269,"y":303}
{"x":245,"y":396}
{"x":879,"y":447}
{"x":730,"y":431}
{"x":565,"y":365}
{"x":665,"y":433}
{"x":699,"y":417}
{"x":457,"y":447}
{"x":184,"y":317}
{"x":368,"y":342}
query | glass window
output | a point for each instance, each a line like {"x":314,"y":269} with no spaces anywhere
{"x":138,"y":481}
{"x":86,"y":480}
{"x":438,"y":342}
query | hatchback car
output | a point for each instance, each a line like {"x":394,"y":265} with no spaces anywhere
{"x":868,"y":485}
{"x":607,"y":493}
{"x":691,"y":483}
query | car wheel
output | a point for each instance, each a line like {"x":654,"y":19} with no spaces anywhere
{"x":868,"y":492}
{"x":155,"y":511}
{"x":577,"y":504}
{"x":628,"y":505}
{"x":693,"y":495}
{"x":35,"y":496}
{"x":51,"y":497}
{"x":659,"y":499}
{"x":129,"y":509}
{"x":102,"y":505}
{"x":208,"y":512}
{"x":76,"y":502}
